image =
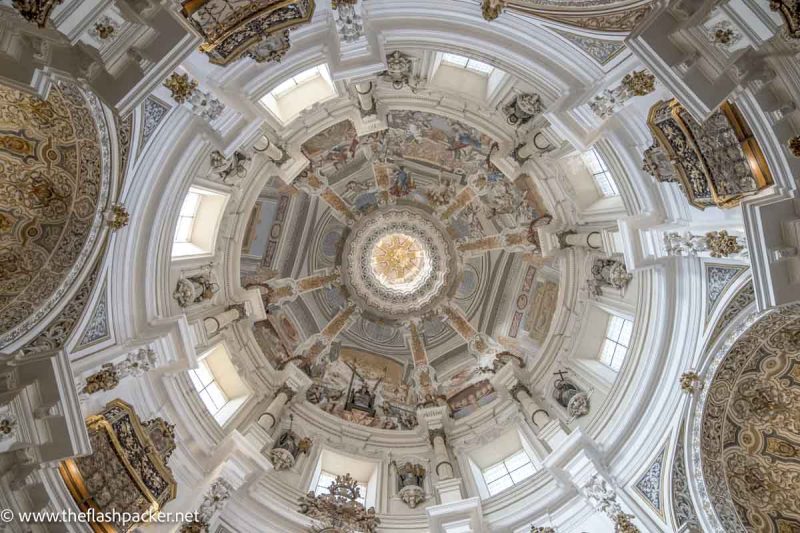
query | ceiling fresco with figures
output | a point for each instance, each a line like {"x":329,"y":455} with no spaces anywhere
{"x":406,"y":231}
{"x":750,"y":430}
{"x":53,"y":188}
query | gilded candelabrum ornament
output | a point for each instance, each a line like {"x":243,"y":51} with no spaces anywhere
{"x":340,"y":510}
{"x":794,"y":145}
{"x":639,"y":82}
{"x":720,"y":244}
{"x":181,"y":86}
{"x":117,"y":217}
{"x":691,"y":382}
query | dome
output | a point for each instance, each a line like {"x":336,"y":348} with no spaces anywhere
{"x":361,"y":266}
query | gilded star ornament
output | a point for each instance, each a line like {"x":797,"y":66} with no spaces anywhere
{"x":181,"y":86}
{"x":639,"y":82}
{"x":397,"y":258}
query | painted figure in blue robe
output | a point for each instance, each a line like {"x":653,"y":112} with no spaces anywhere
{"x":402,"y":183}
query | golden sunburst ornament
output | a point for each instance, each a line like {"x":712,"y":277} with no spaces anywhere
{"x":396,"y":258}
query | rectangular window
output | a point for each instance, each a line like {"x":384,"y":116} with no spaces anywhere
{"x":602,"y":177}
{"x":615,"y":344}
{"x":183,"y":231}
{"x":508,"y":472}
{"x":466,"y":63}
{"x":325,"y":480}
{"x":207,"y":388}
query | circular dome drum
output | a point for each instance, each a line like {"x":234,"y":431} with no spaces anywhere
{"x":399,"y":262}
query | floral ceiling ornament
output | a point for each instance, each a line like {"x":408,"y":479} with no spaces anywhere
{"x":639,"y":82}
{"x":723,"y":35}
{"x":691,"y":382}
{"x":181,"y":86}
{"x":37,"y":11}
{"x":340,"y":511}
{"x":720,"y":244}
{"x":8,"y":425}
{"x":491,"y":9}
{"x":103,"y":29}
{"x":117,"y":217}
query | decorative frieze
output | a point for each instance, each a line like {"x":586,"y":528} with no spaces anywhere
{"x":636,"y":83}
{"x":605,"y":501}
{"x":713,"y":243}
{"x":135,"y":364}
{"x":183,"y":89}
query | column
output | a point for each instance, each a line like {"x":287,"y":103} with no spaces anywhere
{"x":215,"y":324}
{"x":284,"y":290}
{"x":269,"y":149}
{"x":309,"y":182}
{"x":270,"y":418}
{"x":533,"y":412}
{"x":365,"y":99}
{"x":443,"y":467}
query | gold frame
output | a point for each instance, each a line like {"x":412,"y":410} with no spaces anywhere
{"x":73,"y":479}
{"x":748,"y":143}
{"x":209,"y":46}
